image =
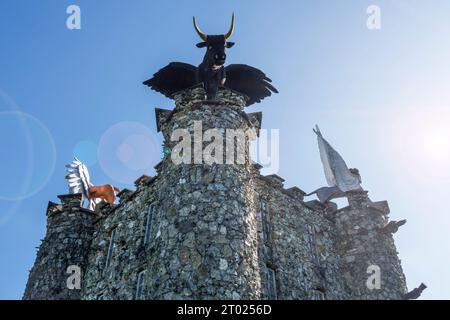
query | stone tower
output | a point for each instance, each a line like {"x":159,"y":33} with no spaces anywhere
{"x":209,"y":247}
{"x":67,"y":243}
{"x":366,"y":250}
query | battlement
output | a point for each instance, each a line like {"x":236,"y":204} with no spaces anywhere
{"x":195,"y":96}
{"x":67,"y":243}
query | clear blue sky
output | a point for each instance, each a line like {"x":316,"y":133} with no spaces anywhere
{"x":381,"y":98}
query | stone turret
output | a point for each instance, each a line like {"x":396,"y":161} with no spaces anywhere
{"x":367,"y":253}
{"x":205,"y":225}
{"x":66,"y":244}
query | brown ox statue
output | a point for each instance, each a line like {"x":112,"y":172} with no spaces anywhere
{"x":106,"y":192}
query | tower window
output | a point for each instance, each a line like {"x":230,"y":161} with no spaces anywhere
{"x":266,"y":228}
{"x":148,"y":224}
{"x":111,"y":247}
{"x":312,"y":243}
{"x":271,"y":284}
{"x":318,"y":294}
{"x":140,"y":286}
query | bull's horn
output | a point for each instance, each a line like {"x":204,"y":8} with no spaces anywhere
{"x":230,"y":32}
{"x":200,"y":33}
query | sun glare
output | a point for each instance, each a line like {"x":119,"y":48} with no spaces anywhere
{"x":437,"y":145}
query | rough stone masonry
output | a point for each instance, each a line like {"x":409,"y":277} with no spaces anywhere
{"x":220,"y":231}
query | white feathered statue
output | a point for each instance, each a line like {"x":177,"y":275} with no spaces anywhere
{"x":339,"y":177}
{"x":80,"y":182}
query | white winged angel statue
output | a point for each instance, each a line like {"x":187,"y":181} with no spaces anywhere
{"x":80,"y":182}
{"x":339,"y":177}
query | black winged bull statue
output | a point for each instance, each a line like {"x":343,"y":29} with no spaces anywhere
{"x":212,"y":73}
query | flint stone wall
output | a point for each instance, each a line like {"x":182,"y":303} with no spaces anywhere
{"x":67,"y":243}
{"x":217,"y":232}
{"x":361,"y":245}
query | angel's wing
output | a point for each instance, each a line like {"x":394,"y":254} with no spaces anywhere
{"x":174,"y":77}
{"x":78,"y":178}
{"x":336,"y":171}
{"x":250,"y":81}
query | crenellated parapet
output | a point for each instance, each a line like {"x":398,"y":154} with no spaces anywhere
{"x":62,"y":252}
{"x":371,"y":266}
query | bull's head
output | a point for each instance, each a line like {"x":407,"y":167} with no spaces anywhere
{"x":215,"y":44}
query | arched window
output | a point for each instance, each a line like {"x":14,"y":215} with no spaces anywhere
{"x":140,"y":286}
{"x":318,"y":294}
{"x":312,"y":243}
{"x":110,"y":248}
{"x":265,"y":220}
{"x":271,"y":283}
{"x":148,"y":224}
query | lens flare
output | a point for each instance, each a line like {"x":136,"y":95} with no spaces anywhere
{"x":436,"y":145}
{"x":127,"y":150}
{"x":28,"y":155}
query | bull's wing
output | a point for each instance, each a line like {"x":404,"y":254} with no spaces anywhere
{"x":250,"y":81}
{"x":174,"y":77}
